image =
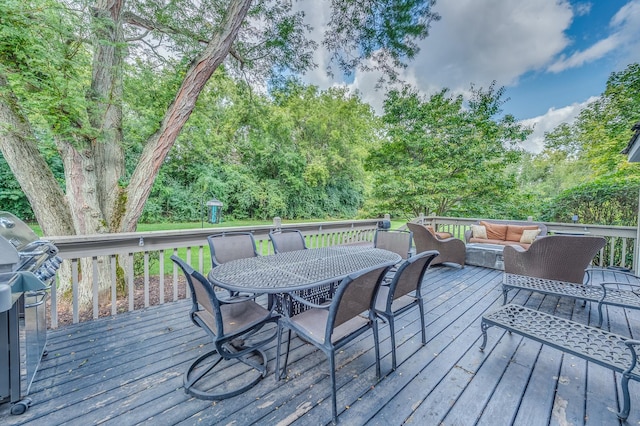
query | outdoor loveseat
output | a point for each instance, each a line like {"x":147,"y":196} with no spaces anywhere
{"x":503,"y":232}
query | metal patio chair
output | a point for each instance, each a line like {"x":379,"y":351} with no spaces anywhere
{"x":331,"y":327}
{"x":231,"y":323}
{"x":229,"y":246}
{"x":287,"y":240}
{"x":404,"y":293}
{"x":397,"y":241}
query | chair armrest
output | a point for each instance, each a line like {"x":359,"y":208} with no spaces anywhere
{"x":516,"y":260}
{"x":307,"y":303}
{"x":237,"y":298}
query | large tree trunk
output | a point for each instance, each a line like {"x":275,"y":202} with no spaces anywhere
{"x":106,"y":114}
{"x":178,"y":113}
{"x":20,"y":150}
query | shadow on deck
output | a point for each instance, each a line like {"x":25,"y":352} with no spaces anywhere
{"x":128,"y":370}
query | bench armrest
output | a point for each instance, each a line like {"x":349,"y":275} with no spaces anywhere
{"x":614,"y":285}
{"x":591,"y":269}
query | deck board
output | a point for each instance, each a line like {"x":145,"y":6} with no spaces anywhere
{"x":128,"y":370}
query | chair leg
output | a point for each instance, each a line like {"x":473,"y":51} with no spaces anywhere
{"x":376,"y":343}
{"x":424,"y":332}
{"x":392,"y":335}
{"x":332,"y":369}
{"x":278,"y":372}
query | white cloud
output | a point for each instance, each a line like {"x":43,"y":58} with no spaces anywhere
{"x":595,"y":52}
{"x":549,"y":121}
{"x":481,"y":41}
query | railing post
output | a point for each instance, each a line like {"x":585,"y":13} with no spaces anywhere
{"x":277,"y":223}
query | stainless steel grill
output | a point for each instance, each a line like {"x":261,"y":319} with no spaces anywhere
{"x":27,"y":268}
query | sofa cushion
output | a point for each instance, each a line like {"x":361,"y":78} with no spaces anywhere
{"x":498,"y":242}
{"x":495,"y":231}
{"x":514,"y":232}
{"x":529,"y":235}
{"x":478,"y":231}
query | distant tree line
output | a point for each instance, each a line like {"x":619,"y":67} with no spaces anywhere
{"x":299,"y":152}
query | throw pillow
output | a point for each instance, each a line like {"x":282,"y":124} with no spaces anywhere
{"x":529,"y":235}
{"x":478,"y":231}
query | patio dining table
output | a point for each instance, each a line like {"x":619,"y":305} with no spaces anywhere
{"x":301,"y":270}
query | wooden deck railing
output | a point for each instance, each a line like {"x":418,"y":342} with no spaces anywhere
{"x":140,"y":260}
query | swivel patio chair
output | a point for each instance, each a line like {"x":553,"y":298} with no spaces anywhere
{"x":229,"y":246}
{"x":287,"y":240}
{"x":232,"y":324}
{"x":395,"y":298}
{"x":452,"y":250}
{"x":331,"y":327}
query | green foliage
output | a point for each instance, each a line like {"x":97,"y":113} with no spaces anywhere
{"x":442,"y":157}
{"x":12,"y":198}
{"x":606,"y":201}
{"x":384,"y":32}
{"x":46,"y":64}
{"x":296,"y":155}
{"x":581,"y":170}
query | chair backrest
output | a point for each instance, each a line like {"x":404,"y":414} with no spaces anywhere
{"x":231,"y":246}
{"x":410,"y":274}
{"x":554,"y":257}
{"x":287,"y":240}
{"x":355,"y":294}
{"x":396,"y":241}
{"x":202,"y":295}
{"x":422,"y":238}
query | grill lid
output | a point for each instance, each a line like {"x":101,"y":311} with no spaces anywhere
{"x":21,"y":249}
{"x":16,"y":231}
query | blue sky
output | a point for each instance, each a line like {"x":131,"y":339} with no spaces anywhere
{"x":552,"y":56}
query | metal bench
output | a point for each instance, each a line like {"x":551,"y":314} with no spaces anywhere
{"x":589,"y":343}
{"x":607,"y":293}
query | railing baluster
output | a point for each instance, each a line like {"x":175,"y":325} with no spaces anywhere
{"x":94,"y":267}
{"x":131,"y":283}
{"x":161,"y":272}
{"x":175,"y":278}
{"x":623,"y":256}
{"x":74,"y":289}
{"x":146,"y":279}
{"x":114,"y":285}
{"x":612,"y":249}
{"x":54,"y":303}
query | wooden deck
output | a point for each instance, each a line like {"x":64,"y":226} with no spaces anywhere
{"x":128,"y":370}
